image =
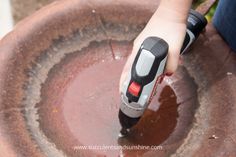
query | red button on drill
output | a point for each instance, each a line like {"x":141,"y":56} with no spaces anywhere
{"x":134,"y":88}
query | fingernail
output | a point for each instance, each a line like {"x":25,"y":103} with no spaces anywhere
{"x":168,"y":74}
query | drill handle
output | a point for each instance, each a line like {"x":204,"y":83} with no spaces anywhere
{"x":195,"y":24}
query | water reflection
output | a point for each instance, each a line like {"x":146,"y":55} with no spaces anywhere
{"x":156,"y":125}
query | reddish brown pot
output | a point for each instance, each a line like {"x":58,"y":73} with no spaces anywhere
{"x":59,"y":73}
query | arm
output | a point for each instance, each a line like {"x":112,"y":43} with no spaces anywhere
{"x":169,"y":23}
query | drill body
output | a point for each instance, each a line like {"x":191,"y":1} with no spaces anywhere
{"x":142,"y":80}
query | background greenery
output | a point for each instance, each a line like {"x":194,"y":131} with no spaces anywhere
{"x":210,"y":13}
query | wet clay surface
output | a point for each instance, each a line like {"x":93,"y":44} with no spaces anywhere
{"x":87,"y":103}
{"x":91,"y":104}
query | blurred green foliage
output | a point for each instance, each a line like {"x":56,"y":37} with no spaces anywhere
{"x":196,"y":3}
{"x":210,"y":14}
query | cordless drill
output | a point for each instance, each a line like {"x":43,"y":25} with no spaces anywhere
{"x":140,"y":85}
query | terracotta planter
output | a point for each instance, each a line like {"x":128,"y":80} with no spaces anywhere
{"x":59,"y":73}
